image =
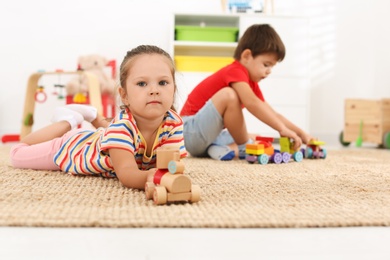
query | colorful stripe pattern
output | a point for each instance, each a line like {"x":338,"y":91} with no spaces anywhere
{"x":86,"y":153}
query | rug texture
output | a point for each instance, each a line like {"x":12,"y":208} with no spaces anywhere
{"x":351,"y":187}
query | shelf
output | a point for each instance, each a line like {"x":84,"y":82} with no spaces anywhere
{"x":205,"y":44}
{"x":218,"y":49}
{"x":207,"y":20}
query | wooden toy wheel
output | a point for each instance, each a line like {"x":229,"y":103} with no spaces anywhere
{"x":298,"y":156}
{"x":149,"y":187}
{"x":386,"y":140}
{"x":160,"y":195}
{"x":341,"y":139}
{"x":195,"y":193}
{"x":263,"y":159}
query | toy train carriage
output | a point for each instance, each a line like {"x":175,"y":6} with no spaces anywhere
{"x":314,"y":150}
{"x":263,"y":152}
{"x":366,"y":121}
{"x":169,"y":183}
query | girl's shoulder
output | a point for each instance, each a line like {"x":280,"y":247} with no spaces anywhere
{"x":173,"y":116}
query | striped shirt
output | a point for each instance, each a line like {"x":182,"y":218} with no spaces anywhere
{"x":87,"y":151}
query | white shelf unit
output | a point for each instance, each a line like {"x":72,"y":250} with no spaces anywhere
{"x":286,"y":89}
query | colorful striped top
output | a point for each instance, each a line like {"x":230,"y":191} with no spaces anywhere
{"x":87,"y":151}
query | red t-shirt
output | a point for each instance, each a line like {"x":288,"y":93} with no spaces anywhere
{"x":234,"y":72}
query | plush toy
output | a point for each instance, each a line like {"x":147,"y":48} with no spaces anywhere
{"x":95,"y":64}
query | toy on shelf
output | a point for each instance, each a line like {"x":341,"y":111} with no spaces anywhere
{"x":262,"y":151}
{"x":314,"y":151}
{"x":40,"y":94}
{"x":77,"y":87}
{"x":169,"y":183}
{"x":366,"y":120}
{"x":60,"y":93}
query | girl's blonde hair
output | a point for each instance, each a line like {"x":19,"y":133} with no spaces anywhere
{"x":140,"y":50}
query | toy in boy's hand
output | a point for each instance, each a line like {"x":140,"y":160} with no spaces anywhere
{"x":169,"y":183}
{"x":314,"y":151}
{"x":95,"y":64}
{"x":286,"y":145}
{"x":263,"y":152}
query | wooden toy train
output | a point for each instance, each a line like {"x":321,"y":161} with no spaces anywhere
{"x":169,"y":183}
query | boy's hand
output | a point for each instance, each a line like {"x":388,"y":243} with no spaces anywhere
{"x":297,"y":141}
{"x":306,"y":138}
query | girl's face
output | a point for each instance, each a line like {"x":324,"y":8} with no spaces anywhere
{"x":261,"y":66}
{"x":150,"y":86}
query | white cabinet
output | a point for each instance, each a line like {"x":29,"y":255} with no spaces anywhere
{"x":286,"y":89}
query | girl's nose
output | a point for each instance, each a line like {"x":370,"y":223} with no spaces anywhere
{"x":154,"y":91}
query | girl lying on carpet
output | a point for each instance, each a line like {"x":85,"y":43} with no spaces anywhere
{"x":124,"y":148}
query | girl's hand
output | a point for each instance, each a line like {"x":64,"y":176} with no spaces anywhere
{"x":151,"y":173}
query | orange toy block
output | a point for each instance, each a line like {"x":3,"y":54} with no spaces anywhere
{"x":254,"y":149}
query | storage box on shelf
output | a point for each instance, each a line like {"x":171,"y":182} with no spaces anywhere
{"x":204,"y":43}
{"x":206,"y":33}
{"x":201,"y":63}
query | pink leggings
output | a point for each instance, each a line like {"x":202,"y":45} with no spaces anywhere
{"x":39,"y":156}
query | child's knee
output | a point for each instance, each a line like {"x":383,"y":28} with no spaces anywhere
{"x":14,"y":154}
{"x":228,"y":94}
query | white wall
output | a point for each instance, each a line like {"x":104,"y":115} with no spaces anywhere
{"x":349,"y":46}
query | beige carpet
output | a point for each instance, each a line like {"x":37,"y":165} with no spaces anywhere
{"x":349,"y":188}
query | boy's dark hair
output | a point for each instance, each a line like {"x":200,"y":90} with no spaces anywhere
{"x":259,"y":39}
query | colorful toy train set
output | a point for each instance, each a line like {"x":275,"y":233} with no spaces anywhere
{"x":263,"y":151}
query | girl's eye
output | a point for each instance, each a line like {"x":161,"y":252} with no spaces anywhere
{"x":141,"y":84}
{"x":163,"y":83}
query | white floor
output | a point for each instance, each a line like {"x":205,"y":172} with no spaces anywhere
{"x":175,"y":244}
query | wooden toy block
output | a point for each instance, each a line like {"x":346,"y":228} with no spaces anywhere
{"x":316,"y":142}
{"x":164,"y":156}
{"x":367,"y":119}
{"x":254,"y":149}
{"x":264,"y":139}
{"x":284,"y":144}
{"x":175,"y":183}
{"x":269,"y":150}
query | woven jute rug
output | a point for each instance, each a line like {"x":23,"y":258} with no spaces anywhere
{"x":351,"y":187}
